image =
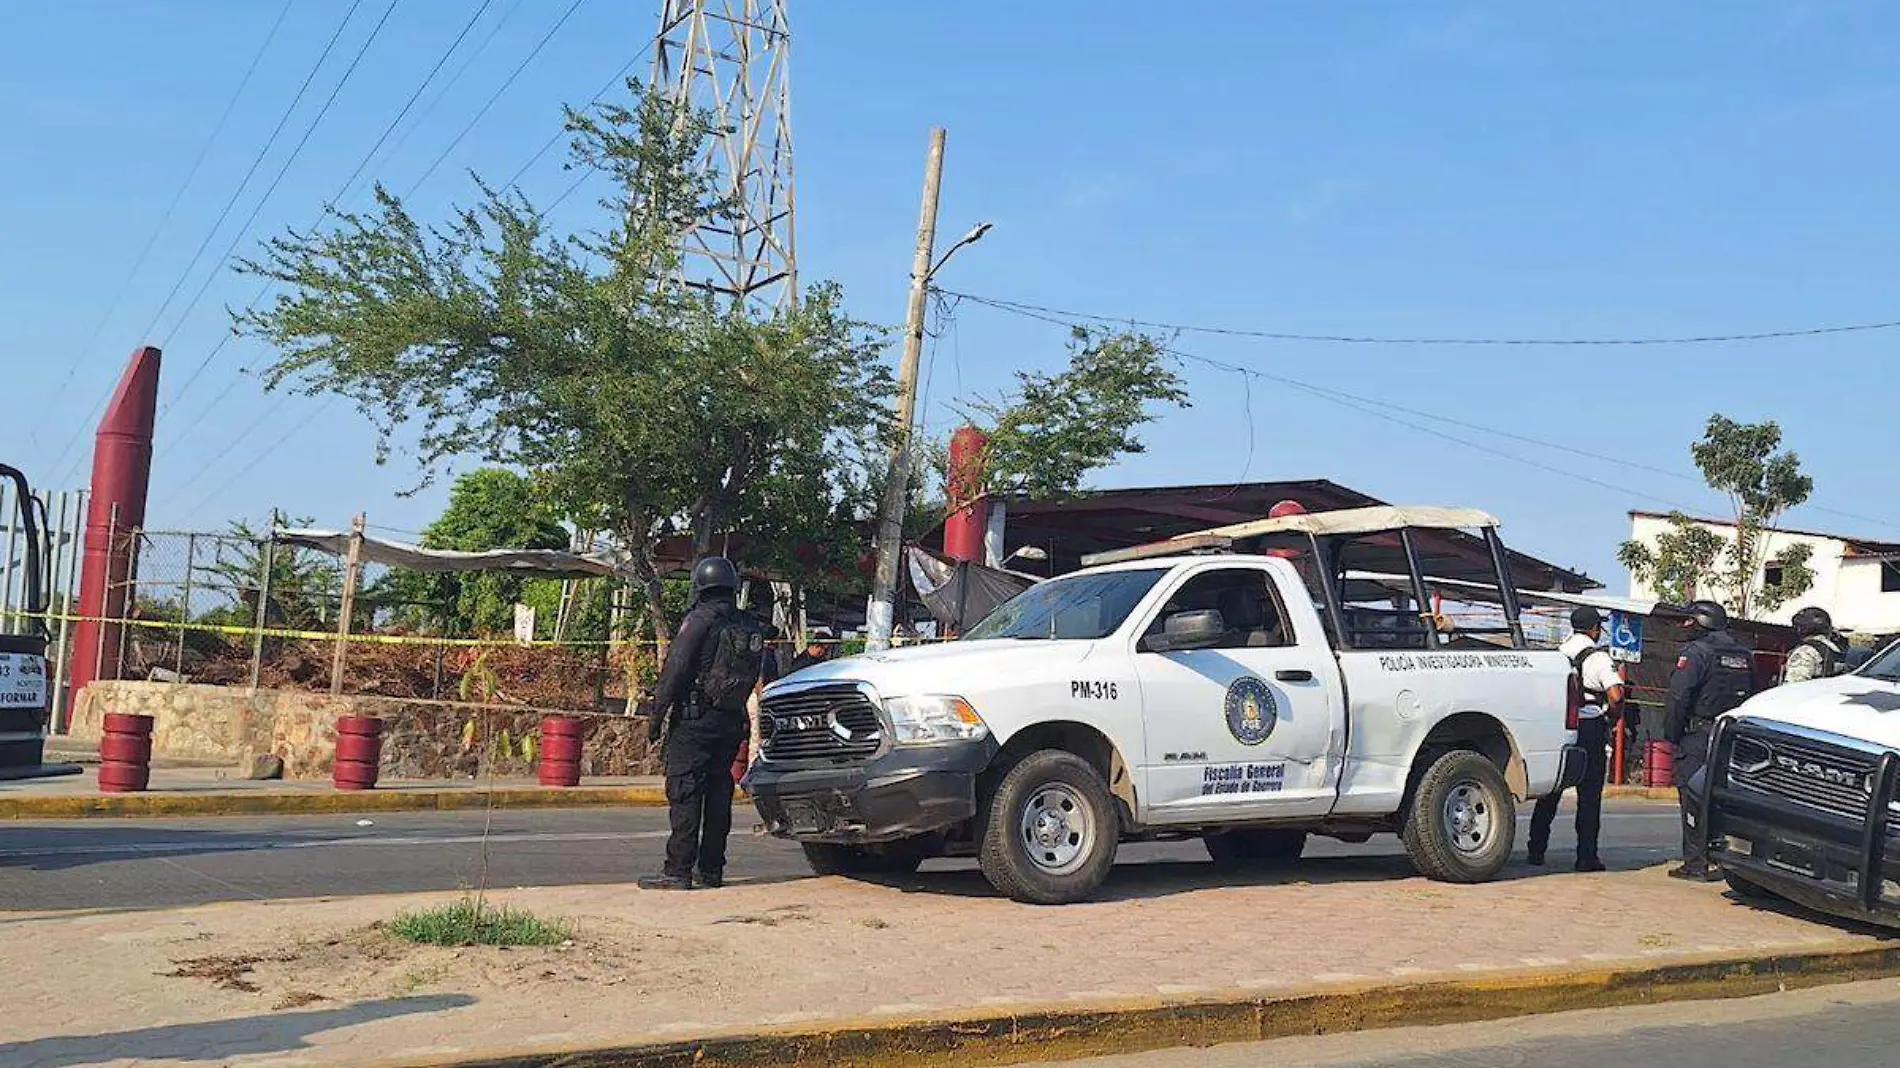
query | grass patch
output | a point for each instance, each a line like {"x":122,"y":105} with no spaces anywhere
{"x":460,"y":924}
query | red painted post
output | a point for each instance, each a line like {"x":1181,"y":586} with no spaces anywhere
{"x":125,"y":754}
{"x":561,"y":738}
{"x":359,"y":752}
{"x":963,"y":531}
{"x":121,"y":472}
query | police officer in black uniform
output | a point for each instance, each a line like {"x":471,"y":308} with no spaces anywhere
{"x":711,"y":669}
{"x":1715,"y":673}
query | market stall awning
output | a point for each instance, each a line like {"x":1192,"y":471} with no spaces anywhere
{"x":554,"y":563}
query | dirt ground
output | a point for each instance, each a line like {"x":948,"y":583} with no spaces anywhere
{"x":324,"y":980}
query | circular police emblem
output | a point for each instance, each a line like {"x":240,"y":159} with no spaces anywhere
{"x":1251,"y":711}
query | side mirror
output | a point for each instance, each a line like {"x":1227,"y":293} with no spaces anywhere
{"x":1200,"y":629}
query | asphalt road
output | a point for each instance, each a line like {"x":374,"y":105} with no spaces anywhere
{"x":133,"y":864}
{"x":1855,"y":1026}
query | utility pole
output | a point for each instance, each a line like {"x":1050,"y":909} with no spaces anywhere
{"x":890,"y":525}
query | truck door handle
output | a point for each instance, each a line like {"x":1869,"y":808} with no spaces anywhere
{"x":1297,"y":675}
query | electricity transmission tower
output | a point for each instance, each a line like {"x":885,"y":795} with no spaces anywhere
{"x":732,"y":58}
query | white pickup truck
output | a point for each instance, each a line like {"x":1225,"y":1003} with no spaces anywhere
{"x":1802,"y":794}
{"x":1226,"y":686}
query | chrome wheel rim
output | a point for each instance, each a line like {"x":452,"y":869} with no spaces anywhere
{"x":1469,"y":817}
{"x":1056,"y":830}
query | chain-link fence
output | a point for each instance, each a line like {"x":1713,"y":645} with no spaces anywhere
{"x":222,"y":609}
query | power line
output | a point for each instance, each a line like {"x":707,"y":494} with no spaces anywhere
{"x":223,"y":214}
{"x":251,"y":172}
{"x":618,"y":76}
{"x":343,"y":190}
{"x":1381,"y":409}
{"x":456,"y":78}
{"x":1072,"y":317}
{"x":509,"y":81}
{"x":256,"y":459}
{"x":151,"y":240}
{"x":283,"y":170}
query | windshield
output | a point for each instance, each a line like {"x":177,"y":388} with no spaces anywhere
{"x":1885,"y":666}
{"x":1082,"y":606}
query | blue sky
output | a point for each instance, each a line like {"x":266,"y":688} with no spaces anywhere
{"x":1393,"y":169}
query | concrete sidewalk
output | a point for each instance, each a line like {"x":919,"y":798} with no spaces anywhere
{"x":200,"y":790}
{"x":211,"y":791}
{"x":843,"y":971}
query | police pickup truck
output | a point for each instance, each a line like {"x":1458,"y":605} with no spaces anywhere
{"x":1229,"y":686}
{"x":1802,"y":794}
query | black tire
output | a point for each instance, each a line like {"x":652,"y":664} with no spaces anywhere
{"x":1751,"y":892}
{"x":1254,"y":846}
{"x":1050,"y":830}
{"x":1462,"y":822}
{"x":897,"y":858}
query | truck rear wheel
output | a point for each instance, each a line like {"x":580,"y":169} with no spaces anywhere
{"x":1462,"y":820}
{"x":1050,"y":833}
{"x":896,"y":858}
{"x":1254,"y":846}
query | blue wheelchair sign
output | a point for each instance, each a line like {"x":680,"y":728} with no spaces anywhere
{"x":1625,"y":631}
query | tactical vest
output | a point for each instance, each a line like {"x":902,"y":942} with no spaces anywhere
{"x":1830,"y":656}
{"x":1731,"y":681}
{"x":1591,"y":695}
{"x":738,"y":656}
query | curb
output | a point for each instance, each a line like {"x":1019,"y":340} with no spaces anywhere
{"x":1068,"y":1032}
{"x":95,"y":806}
{"x":1647,"y":793}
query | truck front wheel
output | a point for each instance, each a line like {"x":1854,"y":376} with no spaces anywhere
{"x":1050,"y":833}
{"x":1462,"y":820}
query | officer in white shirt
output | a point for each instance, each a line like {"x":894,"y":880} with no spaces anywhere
{"x":1602,"y":692}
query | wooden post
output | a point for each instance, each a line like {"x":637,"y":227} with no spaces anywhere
{"x":184,"y":609}
{"x":352,"y":572}
{"x":269,"y":560}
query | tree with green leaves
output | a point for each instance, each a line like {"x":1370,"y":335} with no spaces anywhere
{"x":1058,"y":428}
{"x":489,"y":508}
{"x":639,"y":407}
{"x":1746,"y":463}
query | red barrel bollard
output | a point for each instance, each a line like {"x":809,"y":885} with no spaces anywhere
{"x":359,"y":752}
{"x":1659,"y":764}
{"x":561,"y":738}
{"x":125,"y":754}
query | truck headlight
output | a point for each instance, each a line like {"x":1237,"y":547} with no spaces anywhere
{"x":932,"y":719}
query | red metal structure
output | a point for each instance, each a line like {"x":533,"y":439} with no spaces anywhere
{"x":121,"y":474}
{"x":963,"y":530}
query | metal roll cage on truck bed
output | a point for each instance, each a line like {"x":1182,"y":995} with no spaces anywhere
{"x":1241,"y":685}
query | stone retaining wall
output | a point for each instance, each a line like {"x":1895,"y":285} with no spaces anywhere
{"x":231,"y":725}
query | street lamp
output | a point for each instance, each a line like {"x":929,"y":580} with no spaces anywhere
{"x":880,"y":618}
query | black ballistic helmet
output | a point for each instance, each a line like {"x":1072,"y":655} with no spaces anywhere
{"x":1811,"y":622}
{"x":1708,"y":615}
{"x":1585,"y":618}
{"x":714,"y":573}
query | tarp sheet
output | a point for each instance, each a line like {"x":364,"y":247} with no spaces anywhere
{"x":555,"y":563}
{"x":960,"y":594}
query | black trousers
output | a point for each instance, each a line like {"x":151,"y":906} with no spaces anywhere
{"x":699,"y":801}
{"x":1692,"y":753}
{"x":1593,"y":737}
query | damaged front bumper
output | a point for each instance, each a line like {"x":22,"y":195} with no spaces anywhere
{"x":905,"y":793}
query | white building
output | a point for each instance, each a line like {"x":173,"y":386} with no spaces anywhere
{"x":1856,"y":579}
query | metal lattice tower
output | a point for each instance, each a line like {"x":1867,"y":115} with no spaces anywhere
{"x":732,"y":58}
